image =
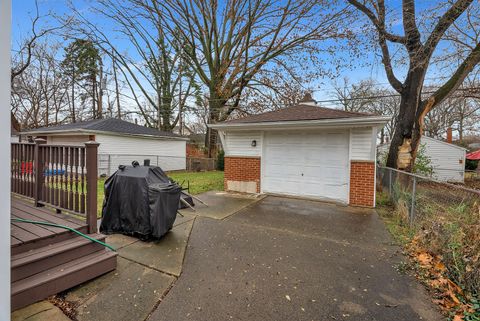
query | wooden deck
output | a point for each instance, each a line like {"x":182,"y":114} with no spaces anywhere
{"x":46,"y":259}
{"x":26,"y":236}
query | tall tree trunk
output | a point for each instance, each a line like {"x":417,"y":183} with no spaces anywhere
{"x":460,"y":129}
{"x":406,"y":137}
{"x":73,"y":94}
{"x":100,"y":92}
{"x":215,"y":105}
{"x":117,"y":91}
{"x":94,"y":95}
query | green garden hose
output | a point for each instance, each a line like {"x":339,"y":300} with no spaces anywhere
{"x":67,"y":228}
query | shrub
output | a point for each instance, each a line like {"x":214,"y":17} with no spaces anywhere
{"x":471,"y":165}
{"x":423,"y":162}
{"x":221,"y":160}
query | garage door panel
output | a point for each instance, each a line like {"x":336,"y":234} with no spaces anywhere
{"x":321,"y":156}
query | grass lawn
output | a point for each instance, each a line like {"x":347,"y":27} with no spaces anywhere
{"x":199,"y":182}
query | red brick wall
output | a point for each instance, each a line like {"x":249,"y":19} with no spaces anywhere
{"x":244,"y":169}
{"x":362,"y":183}
{"x":194,"y":151}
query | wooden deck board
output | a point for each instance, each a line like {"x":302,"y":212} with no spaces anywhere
{"x":48,"y":215}
{"x":14,"y":240}
{"x":27,"y":216}
{"x":35,"y":229}
{"x":39,"y":230}
{"x":22,"y":234}
{"x":27,"y":233}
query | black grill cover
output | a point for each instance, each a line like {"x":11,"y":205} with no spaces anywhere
{"x":140,"y":201}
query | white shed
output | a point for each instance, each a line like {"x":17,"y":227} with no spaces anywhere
{"x":305,"y":151}
{"x":121,"y":142}
{"x":448,"y":160}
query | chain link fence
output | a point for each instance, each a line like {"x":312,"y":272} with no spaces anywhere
{"x":417,"y":197}
{"x":108,"y":163}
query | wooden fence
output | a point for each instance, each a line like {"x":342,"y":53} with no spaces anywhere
{"x":63,"y":177}
{"x":197,"y":164}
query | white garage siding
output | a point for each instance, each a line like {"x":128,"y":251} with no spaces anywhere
{"x":362,"y":143}
{"x":447,"y":160}
{"x":169,"y":154}
{"x":322,"y":156}
{"x":240,"y":143}
{"x":116,"y":150}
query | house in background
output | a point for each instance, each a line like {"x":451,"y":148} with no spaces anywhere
{"x":305,"y":151}
{"x":121,"y":142}
{"x":14,"y":129}
{"x":447,"y":159}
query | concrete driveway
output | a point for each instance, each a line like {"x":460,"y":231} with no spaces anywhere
{"x":288,"y":259}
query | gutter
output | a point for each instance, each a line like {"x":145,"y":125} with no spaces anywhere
{"x":87,"y":131}
{"x":347,"y":122}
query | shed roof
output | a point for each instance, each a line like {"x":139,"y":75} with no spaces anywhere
{"x":473,"y":155}
{"x":299,"y":112}
{"x":107,"y":125}
{"x":304,"y":115}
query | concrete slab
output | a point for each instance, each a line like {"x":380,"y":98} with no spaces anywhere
{"x":128,"y":293}
{"x":39,"y":311}
{"x":119,"y":240}
{"x":284,"y":259}
{"x":165,"y":255}
{"x":186,"y":217}
{"x":220,"y":204}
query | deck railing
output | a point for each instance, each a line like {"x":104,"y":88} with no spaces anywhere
{"x":61,"y":176}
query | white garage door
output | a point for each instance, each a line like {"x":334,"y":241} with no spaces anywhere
{"x":310,"y":164}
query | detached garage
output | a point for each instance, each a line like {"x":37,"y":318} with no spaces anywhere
{"x":306,"y":151}
{"x":121,"y":142}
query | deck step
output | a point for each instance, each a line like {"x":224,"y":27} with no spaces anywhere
{"x":37,"y":260}
{"x":62,"y":277}
{"x":45,"y":241}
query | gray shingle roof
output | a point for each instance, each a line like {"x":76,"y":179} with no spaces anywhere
{"x":108,"y":125}
{"x":298,"y":112}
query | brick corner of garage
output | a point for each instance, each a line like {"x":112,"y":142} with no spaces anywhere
{"x":242,"y":174}
{"x":362,"y":183}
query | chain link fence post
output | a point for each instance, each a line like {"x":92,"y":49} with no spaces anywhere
{"x":390,"y":183}
{"x":412,"y":208}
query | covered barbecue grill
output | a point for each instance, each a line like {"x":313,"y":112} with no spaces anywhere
{"x":140,"y":201}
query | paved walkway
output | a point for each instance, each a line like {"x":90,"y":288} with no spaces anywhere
{"x":286,"y":259}
{"x":145,"y":273}
{"x":254,"y":259}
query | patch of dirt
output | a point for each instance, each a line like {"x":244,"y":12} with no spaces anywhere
{"x":68,"y":308}
{"x":473,"y":183}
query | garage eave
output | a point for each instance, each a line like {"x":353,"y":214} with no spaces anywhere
{"x":300,"y":124}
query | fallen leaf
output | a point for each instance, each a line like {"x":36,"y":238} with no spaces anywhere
{"x":458,"y":317}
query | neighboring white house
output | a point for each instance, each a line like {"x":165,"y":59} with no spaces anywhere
{"x":14,"y":135}
{"x":447,"y":160}
{"x":304,"y":150}
{"x":121,"y":142}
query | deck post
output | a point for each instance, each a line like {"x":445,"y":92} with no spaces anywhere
{"x":39,"y":169}
{"x":92,"y":173}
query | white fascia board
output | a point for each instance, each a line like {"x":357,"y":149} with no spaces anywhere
{"x":304,"y":124}
{"x":100,"y":132}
